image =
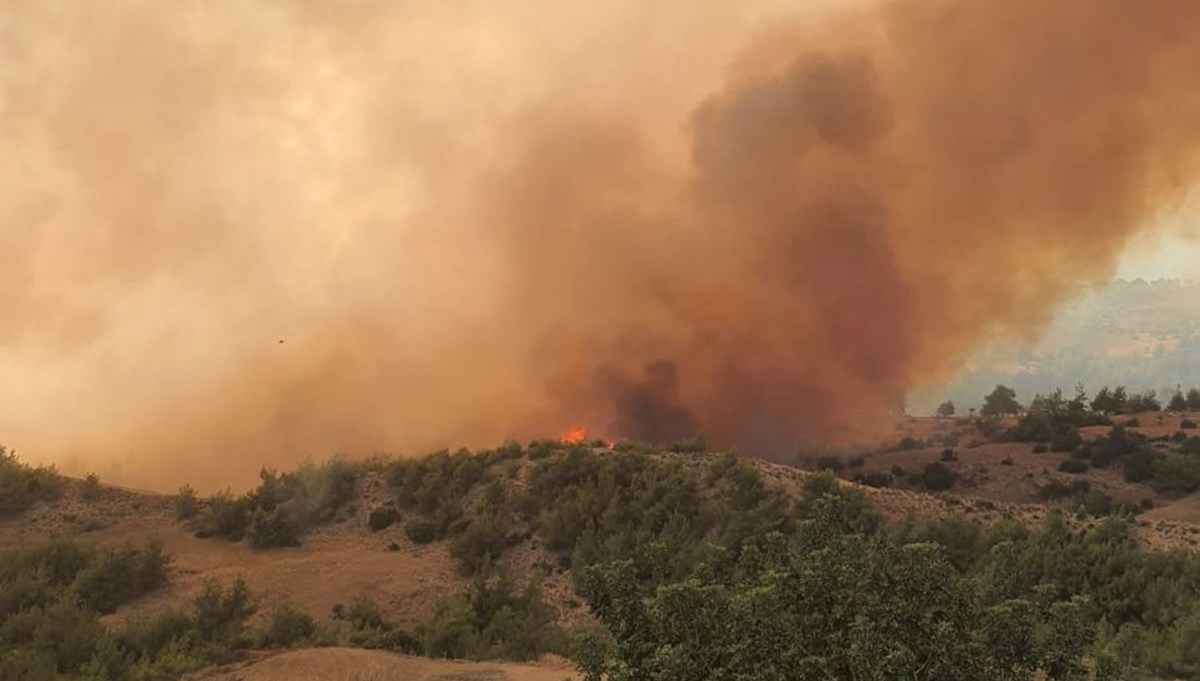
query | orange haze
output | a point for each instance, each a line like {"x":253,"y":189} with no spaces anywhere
{"x":244,"y":232}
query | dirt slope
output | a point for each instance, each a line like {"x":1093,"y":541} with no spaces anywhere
{"x":343,"y":664}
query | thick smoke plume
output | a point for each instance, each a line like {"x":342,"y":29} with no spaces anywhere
{"x":243,"y":232}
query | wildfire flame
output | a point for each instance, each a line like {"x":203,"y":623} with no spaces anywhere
{"x":574,"y":436}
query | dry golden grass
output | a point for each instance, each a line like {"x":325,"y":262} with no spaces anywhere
{"x":343,"y":664}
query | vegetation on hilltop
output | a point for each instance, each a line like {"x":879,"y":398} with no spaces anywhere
{"x":694,"y":565}
{"x":22,"y":485}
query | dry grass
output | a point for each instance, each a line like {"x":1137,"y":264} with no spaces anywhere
{"x":342,"y":664}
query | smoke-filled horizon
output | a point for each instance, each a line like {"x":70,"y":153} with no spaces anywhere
{"x":246,"y":232}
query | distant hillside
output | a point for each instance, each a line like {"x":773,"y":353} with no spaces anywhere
{"x":1143,"y":335}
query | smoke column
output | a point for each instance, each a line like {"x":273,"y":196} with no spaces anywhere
{"x":245,"y":232}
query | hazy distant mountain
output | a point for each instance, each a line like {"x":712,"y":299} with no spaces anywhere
{"x":1143,"y":335}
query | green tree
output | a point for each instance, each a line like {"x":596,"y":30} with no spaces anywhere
{"x":1193,"y":400}
{"x":1002,"y":401}
{"x":1178,"y":401}
{"x":945,"y":410}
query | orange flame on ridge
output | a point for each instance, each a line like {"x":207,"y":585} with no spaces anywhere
{"x":574,"y":436}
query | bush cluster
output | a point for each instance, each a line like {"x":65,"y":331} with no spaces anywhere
{"x":22,"y":485}
{"x":281,"y":509}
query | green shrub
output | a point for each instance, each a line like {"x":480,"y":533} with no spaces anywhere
{"x":491,"y":621}
{"x":949,"y":455}
{"x":1187,"y":424}
{"x":226,"y":517}
{"x":90,"y":488}
{"x":370,"y":629}
{"x":283,"y":507}
{"x":1139,"y":467}
{"x":272,"y":529}
{"x":1065,"y":440}
{"x":1060,"y":489}
{"x":936,"y":477}
{"x":117,"y":576}
{"x":479,"y":545}
{"x":287,"y":627}
{"x":830,"y":462}
{"x":1040,"y":449}
{"x":1074,"y":466}
{"x":221,"y":616}
{"x":692,"y":445}
{"x":383,"y":518}
{"x":420,"y":531}
{"x":1190,"y":447}
{"x":186,"y":503}
{"x":1176,"y":474}
{"x":22,"y":486}
{"x":876,"y":479}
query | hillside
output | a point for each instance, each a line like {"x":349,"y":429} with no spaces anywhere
{"x":386,"y":554}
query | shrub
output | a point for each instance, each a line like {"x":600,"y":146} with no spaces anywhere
{"x":937,"y":477}
{"x":479,"y":545}
{"x":1176,"y":474}
{"x":227,"y":517}
{"x":1190,"y":447}
{"x":876,"y":479}
{"x":22,"y":486}
{"x":420,"y":531}
{"x":1074,"y":466}
{"x":491,"y":621}
{"x":119,"y":575}
{"x":283,"y":507}
{"x":897,"y":471}
{"x":949,"y":455}
{"x":1059,"y":489}
{"x":272,"y":529}
{"x":1065,"y":440}
{"x":1187,"y":424}
{"x":287,"y":627}
{"x":1139,"y":467}
{"x":1006,"y":461}
{"x":383,"y":518}
{"x":1040,"y":448}
{"x":692,"y":445}
{"x":220,"y":615}
{"x":907,"y":444}
{"x":1132,"y":423}
{"x":90,"y":488}
{"x":1117,"y":444}
{"x":830,"y":462}
{"x":370,"y":629}
{"x":186,"y":503}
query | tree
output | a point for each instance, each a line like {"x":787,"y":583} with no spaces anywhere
{"x":945,"y":410}
{"x":1193,"y":400}
{"x":1120,"y":399}
{"x":1178,"y":401}
{"x":1079,"y":403}
{"x":1001,"y":402}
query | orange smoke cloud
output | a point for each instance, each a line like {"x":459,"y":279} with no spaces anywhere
{"x":468,"y":223}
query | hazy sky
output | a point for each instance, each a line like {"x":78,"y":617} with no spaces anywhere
{"x":1163,"y":257}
